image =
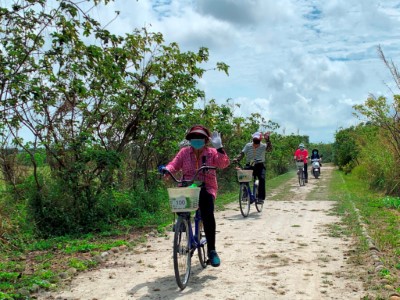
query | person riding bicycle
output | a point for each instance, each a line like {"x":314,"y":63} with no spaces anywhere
{"x":191,"y":158}
{"x":301,"y":154}
{"x":255,"y":159}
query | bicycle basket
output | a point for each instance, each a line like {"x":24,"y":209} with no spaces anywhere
{"x":299,"y":164}
{"x":184,"y":199}
{"x":244,"y":175}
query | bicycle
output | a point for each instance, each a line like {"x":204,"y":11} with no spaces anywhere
{"x":247,"y":195}
{"x":187,"y":240}
{"x":300,"y":172}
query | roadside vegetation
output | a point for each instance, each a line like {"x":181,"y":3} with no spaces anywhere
{"x":33,"y":263}
{"x":380,"y":214}
{"x":369,"y":155}
{"x":87,"y":116}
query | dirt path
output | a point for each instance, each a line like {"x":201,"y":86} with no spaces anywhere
{"x":288,"y":251}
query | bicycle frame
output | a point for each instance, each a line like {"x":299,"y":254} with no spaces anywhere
{"x":300,"y":173}
{"x":252,"y":193}
{"x":197,"y":216}
{"x":252,"y":190}
{"x":195,"y":242}
{"x":186,"y":242}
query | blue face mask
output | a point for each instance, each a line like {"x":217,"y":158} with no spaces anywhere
{"x":197,"y":143}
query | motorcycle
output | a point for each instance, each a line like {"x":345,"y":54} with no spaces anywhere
{"x":315,"y":167}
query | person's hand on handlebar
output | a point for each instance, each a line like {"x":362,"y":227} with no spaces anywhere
{"x":236,"y":161}
{"x":162,"y":169}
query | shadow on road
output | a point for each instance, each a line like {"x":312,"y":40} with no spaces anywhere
{"x":166,"y":287}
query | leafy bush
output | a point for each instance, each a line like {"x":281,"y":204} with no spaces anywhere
{"x":391,"y":202}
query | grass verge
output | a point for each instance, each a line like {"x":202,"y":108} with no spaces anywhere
{"x":280,"y":184}
{"x":46,"y":264}
{"x":382,"y":221}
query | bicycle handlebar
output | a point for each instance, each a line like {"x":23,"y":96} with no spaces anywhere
{"x":187,"y":182}
{"x":241,"y":166}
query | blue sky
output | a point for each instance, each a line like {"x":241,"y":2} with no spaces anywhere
{"x":300,"y":63}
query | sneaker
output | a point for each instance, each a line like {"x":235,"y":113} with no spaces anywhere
{"x":214,"y":258}
{"x":260,"y":201}
{"x":306,"y":180}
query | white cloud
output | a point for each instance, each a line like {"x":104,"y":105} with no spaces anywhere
{"x":301,"y":63}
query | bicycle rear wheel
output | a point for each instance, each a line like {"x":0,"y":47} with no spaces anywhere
{"x":182,"y":255}
{"x":244,"y":199}
{"x":201,"y":251}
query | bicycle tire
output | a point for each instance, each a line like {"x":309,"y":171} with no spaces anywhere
{"x":299,"y":172}
{"x":201,"y":251}
{"x":182,"y":255}
{"x":244,"y":199}
{"x":259,"y":206}
{"x":303,"y":179}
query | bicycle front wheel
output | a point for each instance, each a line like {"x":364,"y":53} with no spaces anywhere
{"x":303,"y":178}
{"x":244,"y":199}
{"x":299,"y":172}
{"x":182,"y":255}
{"x":201,"y":248}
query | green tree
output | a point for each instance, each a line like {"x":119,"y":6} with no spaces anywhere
{"x":383,"y":115}
{"x":323,"y":149}
{"x":89,"y":104}
{"x":345,"y":148}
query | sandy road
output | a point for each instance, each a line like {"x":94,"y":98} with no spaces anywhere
{"x":286,"y":252}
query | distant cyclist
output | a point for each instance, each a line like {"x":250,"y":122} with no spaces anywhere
{"x":255,"y":159}
{"x":191,"y":158}
{"x":301,"y":154}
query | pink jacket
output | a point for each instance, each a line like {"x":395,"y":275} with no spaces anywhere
{"x":187,"y":162}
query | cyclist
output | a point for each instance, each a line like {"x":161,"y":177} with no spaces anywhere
{"x":188,"y":160}
{"x":302,"y":154}
{"x":255,"y":159}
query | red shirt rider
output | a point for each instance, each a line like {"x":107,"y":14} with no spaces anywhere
{"x":301,"y":154}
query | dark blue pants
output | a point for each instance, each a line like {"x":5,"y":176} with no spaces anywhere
{"x":259,"y":172}
{"x":206,"y":205}
{"x":305,"y":171}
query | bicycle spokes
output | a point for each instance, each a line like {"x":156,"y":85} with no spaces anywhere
{"x":244,"y":200}
{"x":181,"y":252}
